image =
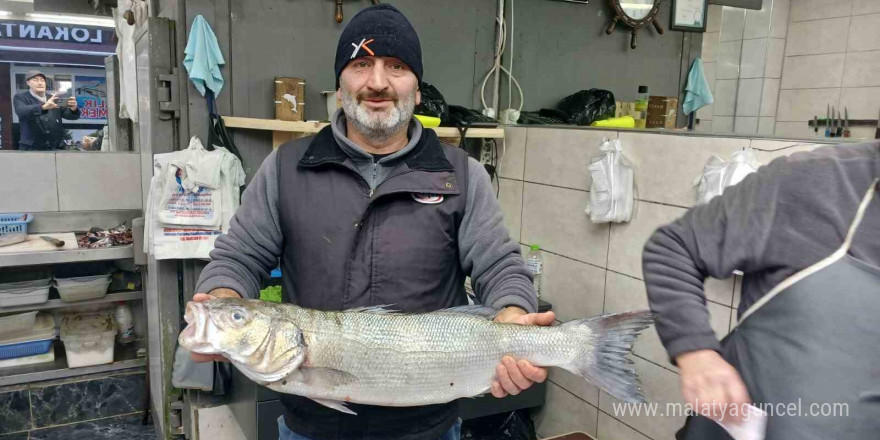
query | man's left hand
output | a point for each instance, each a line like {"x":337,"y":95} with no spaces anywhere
{"x":513,"y":376}
{"x":71,"y":102}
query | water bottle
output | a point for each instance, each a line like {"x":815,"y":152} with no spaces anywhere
{"x":124,"y":323}
{"x":535,"y":263}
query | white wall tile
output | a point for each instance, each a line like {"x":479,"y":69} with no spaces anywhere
{"x":709,"y":74}
{"x":713,"y":21}
{"x":27,"y":182}
{"x":703,"y":126}
{"x":766,"y":125}
{"x":513,"y":157}
{"x":775,"y":58}
{"x":564,"y":413}
{"x":719,"y":291}
{"x":732,"y":319}
{"x":794,"y":130}
{"x":770,"y":97}
{"x":625,"y":294}
{"x":862,"y":69}
{"x":745,"y":125}
{"x":628,"y":239}
{"x":748,"y":97}
{"x":817,"y":37}
{"x":655,"y":155}
{"x":562,"y":157}
{"x":710,"y":46}
{"x":737,"y":290}
{"x":705,"y":114}
{"x":862,"y":102}
{"x":554,"y":218}
{"x":802,"y":105}
{"x":802,"y":10}
{"x":866,"y":7}
{"x":722,"y":124}
{"x":864,"y":34}
{"x":719,"y":319}
{"x":866,"y":133}
{"x":779,"y":18}
{"x":758,"y":22}
{"x":727,"y":60}
{"x":613,"y":429}
{"x":575,"y":384}
{"x":510,"y":199}
{"x":813,"y":71}
{"x":104,"y":181}
{"x":732,"y":23}
{"x":576,"y":290}
{"x":725,"y":97}
{"x":661,"y":386}
{"x":754,"y":54}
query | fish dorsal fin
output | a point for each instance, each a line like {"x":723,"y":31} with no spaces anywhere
{"x":383,"y":309}
{"x":473,"y":309}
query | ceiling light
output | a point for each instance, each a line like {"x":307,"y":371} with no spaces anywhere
{"x":73,"y":19}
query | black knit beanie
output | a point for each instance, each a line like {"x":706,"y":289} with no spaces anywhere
{"x":380,"y":31}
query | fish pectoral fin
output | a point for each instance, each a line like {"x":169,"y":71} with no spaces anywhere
{"x":326,"y":377}
{"x":334,"y":404}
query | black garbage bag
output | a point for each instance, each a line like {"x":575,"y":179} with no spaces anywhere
{"x":516,"y":425}
{"x":433,"y":104}
{"x":587,"y":106}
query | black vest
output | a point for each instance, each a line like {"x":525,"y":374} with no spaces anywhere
{"x":348,"y":246}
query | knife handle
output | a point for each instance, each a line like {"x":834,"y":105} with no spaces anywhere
{"x":338,"y":11}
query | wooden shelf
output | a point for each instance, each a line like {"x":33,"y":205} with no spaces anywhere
{"x":57,"y":303}
{"x":314,"y":127}
{"x":66,"y":256}
{"x":125,"y":356}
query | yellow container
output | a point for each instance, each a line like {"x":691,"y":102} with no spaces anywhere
{"x":428,"y":121}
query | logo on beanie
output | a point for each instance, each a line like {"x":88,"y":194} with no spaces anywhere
{"x":363,"y":44}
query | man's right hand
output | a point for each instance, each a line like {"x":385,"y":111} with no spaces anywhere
{"x":712,"y":386}
{"x":50,"y":103}
{"x":199,"y":297}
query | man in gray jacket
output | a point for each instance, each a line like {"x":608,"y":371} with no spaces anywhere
{"x":804,"y":230}
{"x":374,"y":210}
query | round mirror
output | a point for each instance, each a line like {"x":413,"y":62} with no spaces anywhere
{"x":636,"y":9}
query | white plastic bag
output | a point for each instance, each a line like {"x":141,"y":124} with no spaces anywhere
{"x":719,"y":174}
{"x":612,"y":191}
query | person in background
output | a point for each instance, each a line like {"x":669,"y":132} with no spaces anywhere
{"x":375,"y":210}
{"x":40,"y":117}
{"x":805,"y":231}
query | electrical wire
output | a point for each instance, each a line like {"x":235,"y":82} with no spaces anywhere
{"x":499,"y":50}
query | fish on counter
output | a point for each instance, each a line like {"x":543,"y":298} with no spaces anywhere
{"x":379,"y":357}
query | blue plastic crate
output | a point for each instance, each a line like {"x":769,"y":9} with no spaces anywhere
{"x":22,"y":349}
{"x":13,"y":229}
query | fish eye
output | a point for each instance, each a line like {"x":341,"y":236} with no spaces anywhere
{"x":237,"y":316}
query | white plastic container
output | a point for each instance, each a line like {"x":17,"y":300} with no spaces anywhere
{"x":88,"y":339}
{"x":124,"y":323}
{"x":11,"y":278}
{"x":14,"y":323}
{"x":82,"y":288}
{"x":35,"y":340}
{"x":23,"y":297}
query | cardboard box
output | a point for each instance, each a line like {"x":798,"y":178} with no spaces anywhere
{"x":662,"y":112}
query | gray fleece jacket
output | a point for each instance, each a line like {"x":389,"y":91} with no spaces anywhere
{"x":789,"y":215}
{"x":241,"y":260}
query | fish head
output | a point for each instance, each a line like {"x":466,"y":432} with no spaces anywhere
{"x":256,"y":336}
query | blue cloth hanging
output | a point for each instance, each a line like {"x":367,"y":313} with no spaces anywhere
{"x":697,"y":93}
{"x":203,"y":57}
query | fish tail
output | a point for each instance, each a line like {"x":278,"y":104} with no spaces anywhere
{"x":608,"y":342}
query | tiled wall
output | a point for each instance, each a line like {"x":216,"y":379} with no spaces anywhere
{"x":50,"y":182}
{"x":107,"y":407}
{"x":592,"y":269}
{"x":832,"y":56}
{"x":742,"y":55}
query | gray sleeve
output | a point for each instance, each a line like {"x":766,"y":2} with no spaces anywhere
{"x":246,"y":254}
{"x":729,"y":233}
{"x":492,"y":259}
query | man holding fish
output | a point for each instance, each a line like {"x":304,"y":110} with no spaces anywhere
{"x":372,"y":211}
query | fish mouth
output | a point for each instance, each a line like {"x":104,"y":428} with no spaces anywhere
{"x":194,"y":337}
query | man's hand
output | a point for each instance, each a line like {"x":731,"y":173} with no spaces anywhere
{"x":71,"y":102}
{"x":513,"y":376}
{"x":199,"y":297}
{"x":50,"y":103}
{"x":712,"y":386}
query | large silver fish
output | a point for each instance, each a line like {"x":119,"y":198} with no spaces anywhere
{"x":372,"y":356}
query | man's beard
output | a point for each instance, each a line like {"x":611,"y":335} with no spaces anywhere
{"x":378,"y":127}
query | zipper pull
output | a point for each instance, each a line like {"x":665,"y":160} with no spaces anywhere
{"x":372,"y":190}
